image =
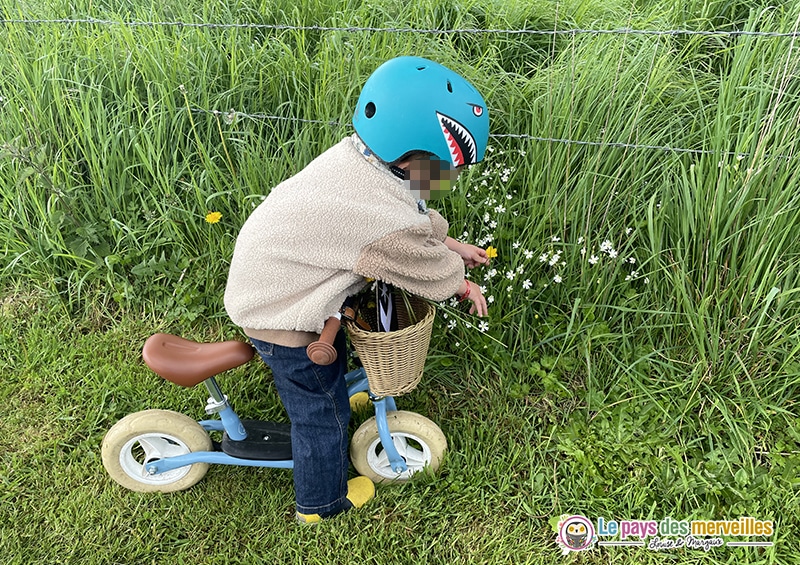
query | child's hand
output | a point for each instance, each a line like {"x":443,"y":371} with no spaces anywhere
{"x":472,"y":292}
{"x":472,"y":255}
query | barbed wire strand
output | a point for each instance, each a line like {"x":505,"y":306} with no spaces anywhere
{"x":354,"y":29}
{"x":232,"y":115}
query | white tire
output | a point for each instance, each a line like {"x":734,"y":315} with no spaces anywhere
{"x":418,"y":440}
{"x":149,"y":435}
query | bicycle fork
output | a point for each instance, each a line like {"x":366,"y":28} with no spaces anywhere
{"x":357,"y":382}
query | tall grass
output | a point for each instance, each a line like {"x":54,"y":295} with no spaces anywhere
{"x":117,"y":140}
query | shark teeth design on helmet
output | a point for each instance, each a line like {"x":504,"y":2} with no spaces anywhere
{"x":463,"y":150}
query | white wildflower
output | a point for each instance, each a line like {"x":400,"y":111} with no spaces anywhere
{"x":483,"y":326}
{"x":526,"y":284}
{"x":593,"y":260}
{"x":557,"y":279}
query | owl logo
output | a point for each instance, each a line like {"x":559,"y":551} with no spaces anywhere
{"x":575,"y":533}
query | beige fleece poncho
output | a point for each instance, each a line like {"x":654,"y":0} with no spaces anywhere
{"x":318,"y":234}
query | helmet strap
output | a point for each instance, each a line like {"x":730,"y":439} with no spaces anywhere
{"x":402,"y":174}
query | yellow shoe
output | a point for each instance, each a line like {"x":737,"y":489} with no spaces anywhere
{"x":308,"y":518}
{"x":360,"y":490}
{"x":359,"y":402}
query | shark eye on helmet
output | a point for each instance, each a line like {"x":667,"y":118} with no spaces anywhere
{"x":412,"y":104}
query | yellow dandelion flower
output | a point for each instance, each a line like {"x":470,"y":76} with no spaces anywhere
{"x":213,"y":217}
{"x":491,"y":252}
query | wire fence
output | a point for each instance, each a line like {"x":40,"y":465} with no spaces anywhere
{"x":233,"y":114}
{"x":357,"y":29}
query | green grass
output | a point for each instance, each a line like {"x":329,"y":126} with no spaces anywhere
{"x":515,"y":462}
{"x":662,"y":381}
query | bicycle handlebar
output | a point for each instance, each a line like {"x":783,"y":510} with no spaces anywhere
{"x":322,"y":351}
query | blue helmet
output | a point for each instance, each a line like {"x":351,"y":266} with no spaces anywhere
{"x":413,"y":104}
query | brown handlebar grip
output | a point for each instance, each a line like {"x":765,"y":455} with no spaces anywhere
{"x":322,"y":351}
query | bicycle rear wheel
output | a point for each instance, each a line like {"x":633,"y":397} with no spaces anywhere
{"x":149,"y":435}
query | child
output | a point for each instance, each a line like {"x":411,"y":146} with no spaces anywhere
{"x":351,"y":214}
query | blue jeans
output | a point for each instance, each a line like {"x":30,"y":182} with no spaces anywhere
{"x":315,"y":398}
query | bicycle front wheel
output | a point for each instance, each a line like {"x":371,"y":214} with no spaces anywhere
{"x":418,"y":440}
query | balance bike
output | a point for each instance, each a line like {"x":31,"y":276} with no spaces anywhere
{"x":166,"y":451}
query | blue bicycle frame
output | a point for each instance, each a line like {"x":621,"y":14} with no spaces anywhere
{"x":230,"y":423}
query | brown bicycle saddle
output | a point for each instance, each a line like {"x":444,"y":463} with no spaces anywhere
{"x":187,"y":363}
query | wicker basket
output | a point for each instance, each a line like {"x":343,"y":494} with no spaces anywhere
{"x":394,"y":360}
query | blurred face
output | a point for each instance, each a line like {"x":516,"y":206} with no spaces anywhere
{"x":430,"y":178}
